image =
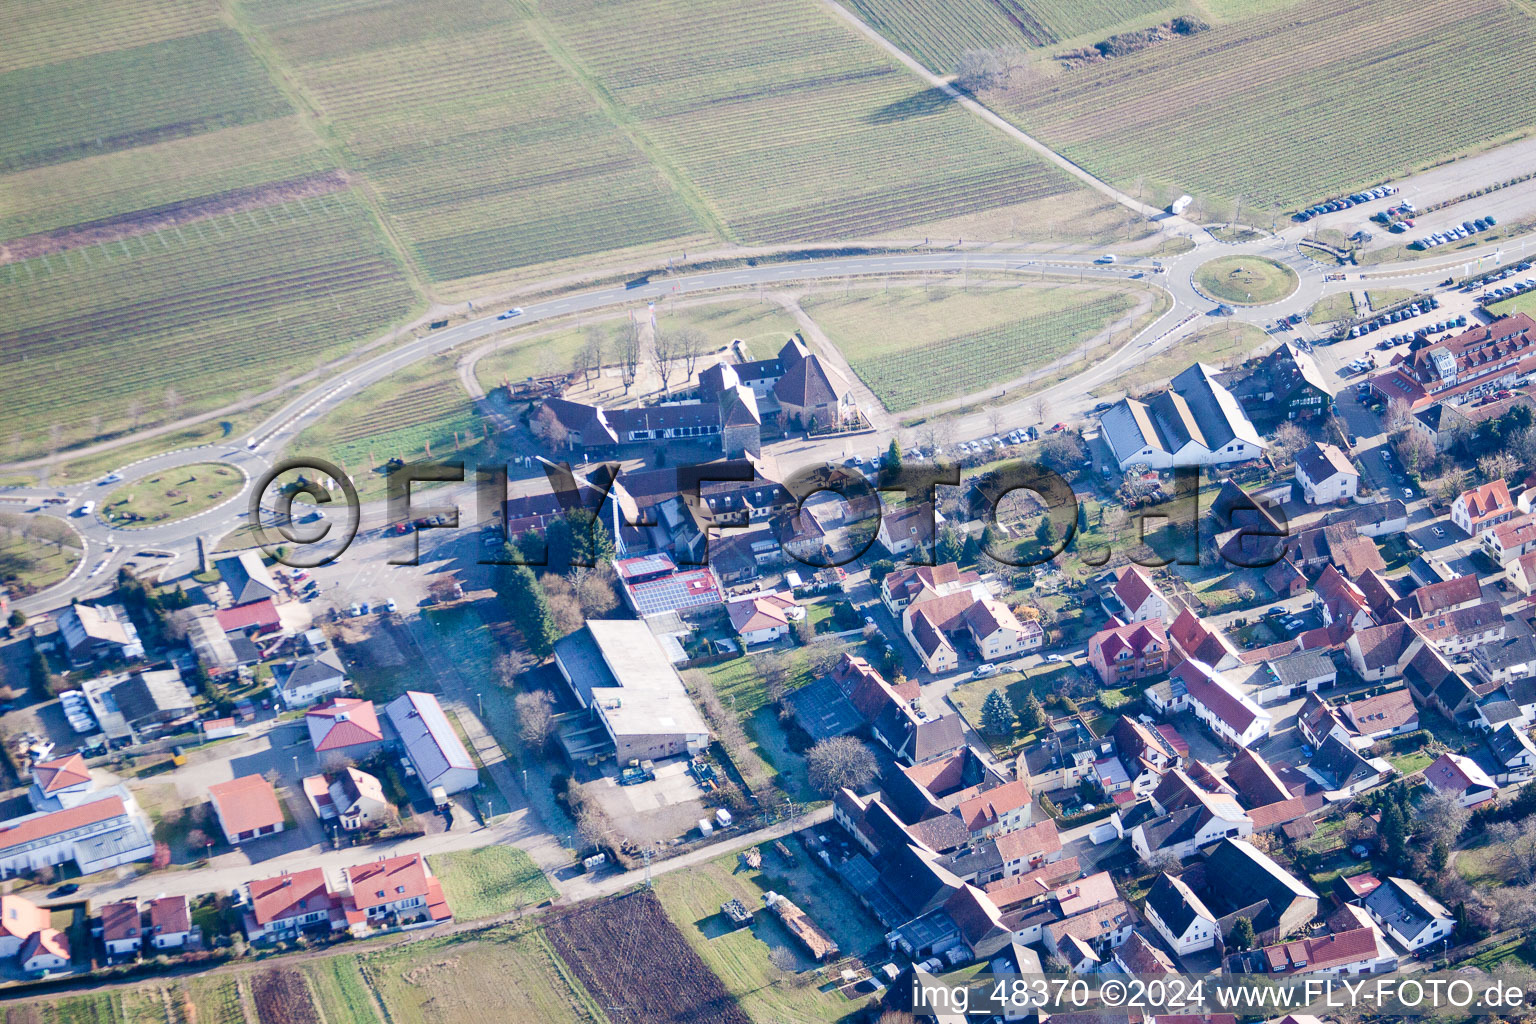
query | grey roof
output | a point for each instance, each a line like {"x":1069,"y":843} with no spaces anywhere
{"x":247,"y":577}
{"x":1404,"y":905}
{"x":1172,"y":829}
{"x":640,"y":692}
{"x":1245,"y":875}
{"x":1340,"y":764}
{"x":308,"y":670}
{"x":1300,"y":667}
{"x":1509,"y":742}
{"x":1176,"y":904}
{"x":1513,"y":650}
{"x":822,"y":711}
{"x":981,"y":859}
{"x":1367,"y":515}
{"x":143,"y":695}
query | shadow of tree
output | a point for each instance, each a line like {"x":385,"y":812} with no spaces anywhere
{"x":920,"y":104}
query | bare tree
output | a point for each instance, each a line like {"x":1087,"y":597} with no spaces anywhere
{"x":783,"y":958}
{"x":135,"y":413}
{"x":995,"y":419}
{"x":535,"y":717}
{"x":1442,"y":818}
{"x":663,"y":354}
{"x":689,"y":344}
{"x":1522,"y":445}
{"x":546,"y":426}
{"x":1289,"y":439}
{"x":840,"y":762}
{"x":1399,"y":416}
{"x":172,"y":401}
{"x":592,"y":349}
{"x":1497,"y":466}
{"x":1041,"y":408}
{"x":626,"y":348}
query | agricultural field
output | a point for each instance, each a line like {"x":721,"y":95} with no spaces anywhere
{"x":175,"y":234}
{"x":35,"y":552}
{"x":213,"y":999}
{"x":281,"y":997}
{"x":1380,"y":86}
{"x":182,"y":492}
{"x":913,"y":346}
{"x":741,"y":957}
{"x":509,"y":973}
{"x":340,"y":991}
{"x":937,"y":33}
{"x":632,"y":958}
{"x":115,"y":336}
{"x":490,"y":880}
{"x":420,"y":412}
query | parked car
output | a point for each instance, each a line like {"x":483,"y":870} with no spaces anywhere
{"x":983,"y":671}
{"x":1407,"y":493}
{"x":67,"y":889}
{"x":1056,"y":658}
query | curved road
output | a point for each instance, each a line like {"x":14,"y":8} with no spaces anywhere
{"x":110,"y":548}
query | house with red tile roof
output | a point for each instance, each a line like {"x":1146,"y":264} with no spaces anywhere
{"x":62,"y":782}
{"x":900,"y":586}
{"x":934,"y":624}
{"x":1341,"y":600}
{"x":1370,"y":719}
{"x":1129,"y":652}
{"x":170,"y":924}
{"x":763,"y":618}
{"x":259,"y":617}
{"x":1383,"y":652}
{"x":283,"y":905}
{"x":103,"y":832}
{"x":1026,"y":849}
{"x":1445,"y":596}
{"x":45,"y":951}
{"x":1194,"y":639}
{"x":122,"y":933}
{"x":401,"y":888}
{"x":1511,"y":539}
{"x":1215,"y":700}
{"x":997,"y":810}
{"x":1460,"y":777}
{"x":1140,"y":598}
{"x":347,"y":726}
{"x":1361,"y":950}
{"x":246,"y":808}
{"x":1482,"y":508}
{"x":1480,"y":360}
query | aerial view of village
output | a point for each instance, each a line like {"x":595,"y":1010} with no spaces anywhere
{"x":771,"y":512}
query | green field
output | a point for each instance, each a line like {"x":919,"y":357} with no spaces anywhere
{"x":507,"y":974}
{"x":35,"y":552}
{"x":768,"y":993}
{"x":936,"y":33}
{"x":490,"y":880}
{"x":1246,"y":280}
{"x":418,"y":413}
{"x":1518,"y":304}
{"x":1338,"y":306}
{"x":1219,"y":344}
{"x":913,"y":346}
{"x":1293,"y":103}
{"x":184,"y":491}
{"x":340,"y":991}
{"x":764,"y":326}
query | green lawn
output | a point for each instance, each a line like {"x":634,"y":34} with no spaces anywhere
{"x":918,"y":345}
{"x":1338,"y":306}
{"x":1525,"y":303}
{"x":490,"y":880}
{"x":1381,"y":298}
{"x":1246,"y":280}
{"x":35,"y":552}
{"x":741,"y":957}
{"x":165,"y":497}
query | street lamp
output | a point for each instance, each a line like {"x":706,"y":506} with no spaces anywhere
{"x":480,"y":703}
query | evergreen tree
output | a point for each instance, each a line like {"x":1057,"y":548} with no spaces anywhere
{"x":950,"y":548}
{"x":892,"y":467}
{"x":528,"y":608}
{"x":996,"y":714}
{"x":1031,"y":715}
{"x":1044,"y":533}
{"x":1242,"y":935}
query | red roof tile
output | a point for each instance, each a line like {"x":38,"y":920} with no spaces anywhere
{"x":246,"y":804}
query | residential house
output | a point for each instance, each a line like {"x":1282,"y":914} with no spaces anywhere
{"x":1140,"y":598}
{"x":1023,"y":850}
{"x":302,"y":681}
{"x":1342,"y":771}
{"x":1515,"y":753}
{"x":1138,"y":956}
{"x":1290,"y":674}
{"x":1482,"y":508}
{"x":355,"y":800}
{"x":1511,"y":539}
{"x":170,"y":924}
{"x":1181,"y":831}
{"x":1447,"y":595}
{"x":1375,"y":519}
{"x":1192,"y":639}
{"x":19,"y":919}
{"x":60,"y":782}
{"x":296,"y":901}
{"x":901,"y":585}
{"x":1411,"y":916}
{"x":1180,"y":917}
{"x":909,"y":527}
{"x":401,"y":888}
{"x":344,"y":726}
{"x":1383,"y":652}
{"x":121,"y":930}
{"x":1521,"y":573}
{"x":246,"y":808}
{"x":763,"y":618}
{"x":934,"y":625}
{"x":1288,"y":383}
{"x":995,"y":811}
{"x":139,"y":705}
{"x":1255,"y":781}
{"x":1129,"y":652}
{"x":1371,"y":719}
{"x":1360,"y":950}
{"x":44,"y":951}
{"x":1460,"y":777}
{"x":1325,"y":474}
{"x":98,"y":632}
{"x":251,"y":620}
{"x":1317,"y":720}
{"x":1341,"y":600}
{"x":1242,"y":880}
{"x":1215,"y":700}
{"x":1464,"y":629}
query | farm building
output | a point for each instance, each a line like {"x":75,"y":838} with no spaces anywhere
{"x":430,"y":742}
{"x":815,"y":941}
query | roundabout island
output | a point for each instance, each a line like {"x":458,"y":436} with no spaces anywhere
{"x":1246,"y":280}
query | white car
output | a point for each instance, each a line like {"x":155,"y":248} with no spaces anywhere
{"x":982,"y":671}
{"x":1056,"y":658}
{"x":509,"y":314}
{"x":111,"y":478}
{"x":392,"y":605}
{"x":356,"y":609}
{"x":86,"y":508}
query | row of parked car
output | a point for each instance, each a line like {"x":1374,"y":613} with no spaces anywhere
{"x":1438,"y":327}
{"x":1501,"y":292}
{"x":77,"y":711}
{"x":1394,"y":317}
{"x":1465,"y":229}
{"x":1354,"y":199}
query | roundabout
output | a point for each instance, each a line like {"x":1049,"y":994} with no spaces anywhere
{"x":1246,"y":280}
{"x":170,"y":496}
